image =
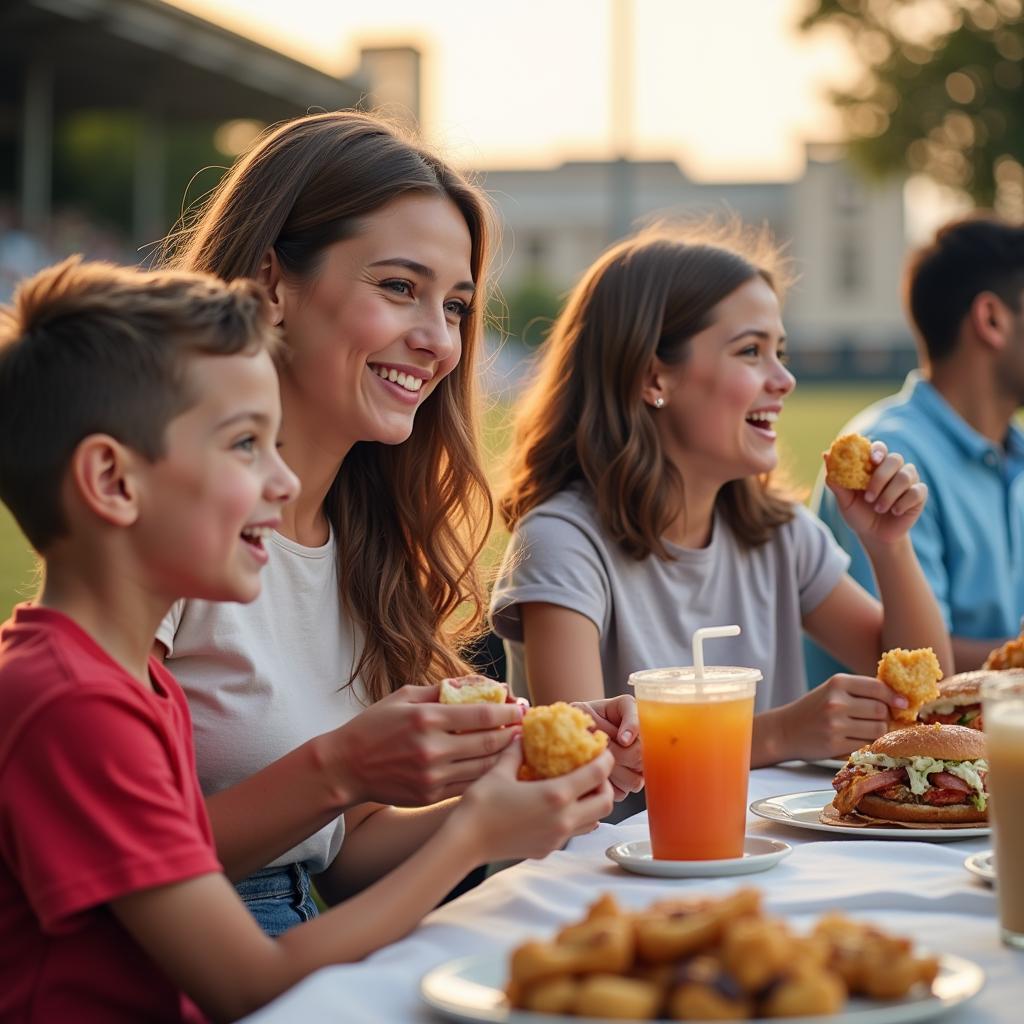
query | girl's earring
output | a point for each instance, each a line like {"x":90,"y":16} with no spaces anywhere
{"x":659,"y":403}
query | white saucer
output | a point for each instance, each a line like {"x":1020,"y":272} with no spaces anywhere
{"x":983,"y":865}
{"x":759,"y":854}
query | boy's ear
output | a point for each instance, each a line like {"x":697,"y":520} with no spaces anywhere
{"x":103,"y":474}
{"x":653,"y":391}
{"x":991,"y":320}
{"x":269,"y":275}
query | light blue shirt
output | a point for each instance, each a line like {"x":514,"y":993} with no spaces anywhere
{"x":970,"y":536}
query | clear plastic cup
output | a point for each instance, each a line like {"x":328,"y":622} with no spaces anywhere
{"x":696,"y":725}
{"x":1003,"y":714}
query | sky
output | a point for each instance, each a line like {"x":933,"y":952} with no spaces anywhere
{"x":729,"y":88}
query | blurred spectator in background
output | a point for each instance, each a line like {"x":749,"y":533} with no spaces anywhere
{"x":23,"y":253}
{"x":954,"y":419}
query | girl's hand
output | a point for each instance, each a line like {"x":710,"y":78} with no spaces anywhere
{"x":617,"y":718}
{"x":833,"y":719}
{"x":892,"y":503}
{"x":514,"y":819}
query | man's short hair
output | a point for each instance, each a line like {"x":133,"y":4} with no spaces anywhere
{"x":90,"y":348}
{"x":967,"y":257}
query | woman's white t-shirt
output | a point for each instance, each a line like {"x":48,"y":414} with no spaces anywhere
{"x":263,"y":678}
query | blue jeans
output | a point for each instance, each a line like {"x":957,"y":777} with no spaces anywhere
{"x":278,"y":898}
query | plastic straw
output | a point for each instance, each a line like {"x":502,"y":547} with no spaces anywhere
{"x":697,"y":645}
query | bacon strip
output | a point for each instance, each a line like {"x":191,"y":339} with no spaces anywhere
{"x":847,"y":798}
{"x":944,"y":780}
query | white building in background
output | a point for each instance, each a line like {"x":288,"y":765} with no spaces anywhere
{"x":845,"y":236}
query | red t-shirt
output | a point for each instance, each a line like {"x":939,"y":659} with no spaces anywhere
{"x":98,"y":799}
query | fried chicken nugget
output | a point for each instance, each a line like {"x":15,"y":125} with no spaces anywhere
{"x":810,"y":992}
{"x":554,"y":996}
{"x":605,"y":945}
{"x":1010,"y":655}
{"x":617,"y":998}
{"x":668,"y":935}
{"x":705,"y":992}
{"x":915,"y":674}
{"x":889,"y":970}
{"x":756,"y":950}
{"x":848,"y":462}
{"x":557,"y":739}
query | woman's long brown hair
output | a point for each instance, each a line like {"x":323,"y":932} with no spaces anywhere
{"x":409,"y":520}
{"x":584,"y":419}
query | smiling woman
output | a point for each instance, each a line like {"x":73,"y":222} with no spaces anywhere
{"x":372,"y":251}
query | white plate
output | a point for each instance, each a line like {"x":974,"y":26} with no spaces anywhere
{"x":833,"y":764}
{"x":758,"y":855}
{"x":983,"y":865}
{"x":801,"y":810}
{"x":470,"y":989}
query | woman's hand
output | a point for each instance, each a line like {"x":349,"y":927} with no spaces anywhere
{"x":844,"y":713}
{"x":892,"y":503}
{"x":617,"y":718}
{"x":408,"y":750}
{"x":513,"y":819}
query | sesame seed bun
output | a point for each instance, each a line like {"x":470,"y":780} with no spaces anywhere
{"x":924,"y":814}
{"x":943,"y":742}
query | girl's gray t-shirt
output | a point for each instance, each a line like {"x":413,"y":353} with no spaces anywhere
{"x":646,"y":611}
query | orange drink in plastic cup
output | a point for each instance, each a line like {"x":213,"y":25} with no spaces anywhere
{"x":696,"y":731}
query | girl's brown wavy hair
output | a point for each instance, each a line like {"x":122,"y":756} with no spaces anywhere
{"x":584,"y":420}
{"x":409,"y":520}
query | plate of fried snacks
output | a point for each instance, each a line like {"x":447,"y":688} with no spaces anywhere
{"x":759,"y":854}
{"x":702,"y":960}
{"x":806,"y":810}
{"x":982,"y":865}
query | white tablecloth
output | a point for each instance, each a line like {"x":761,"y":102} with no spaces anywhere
{"x":915,"y":888}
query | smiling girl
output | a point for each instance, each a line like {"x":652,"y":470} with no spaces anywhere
{"x":642,"y":507}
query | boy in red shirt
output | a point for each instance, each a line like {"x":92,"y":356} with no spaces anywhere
{"x":138,"y":424}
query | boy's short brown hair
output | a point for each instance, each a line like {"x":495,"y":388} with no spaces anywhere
{"x":90,"y":348}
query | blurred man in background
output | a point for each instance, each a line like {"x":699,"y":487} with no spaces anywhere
{"x":954,"y":419}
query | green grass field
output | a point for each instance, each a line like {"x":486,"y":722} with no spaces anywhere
{"x":811,"y":419}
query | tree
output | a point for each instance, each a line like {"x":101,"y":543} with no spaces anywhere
{"x":942,"y":91}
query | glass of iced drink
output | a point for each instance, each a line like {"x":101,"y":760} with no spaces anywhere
{"x":696,"y":724}
{"x":1003,"y":715}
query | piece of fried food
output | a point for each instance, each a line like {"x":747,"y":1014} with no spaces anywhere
{"x":848,"y":462}
{"x":915,"y":674}
{"x":555,"y":996}
{"x":664,"y":936}
{"x":808,"y":992}
{"x":705,"y":992}
{"x":472,"y":690}
{"x":556,"y":739}
{"x":870,"y":962}
{"x":1010,"y":655}
{"x":611,"y":996}
{"x":755,"y":950}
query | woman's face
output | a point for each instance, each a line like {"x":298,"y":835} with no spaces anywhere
{"x":379,"y":326}
{"x":722,"y":401}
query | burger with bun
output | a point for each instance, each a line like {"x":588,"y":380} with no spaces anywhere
{"x":959,"y":699}
{"x":926,"y":774}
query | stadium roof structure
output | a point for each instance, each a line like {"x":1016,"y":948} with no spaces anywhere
{"x":61,"y":56}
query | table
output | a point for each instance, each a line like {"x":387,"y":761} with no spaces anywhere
{"x":915,"y":888}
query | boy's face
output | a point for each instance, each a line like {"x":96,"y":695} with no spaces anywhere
{"x":220,"y":485}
